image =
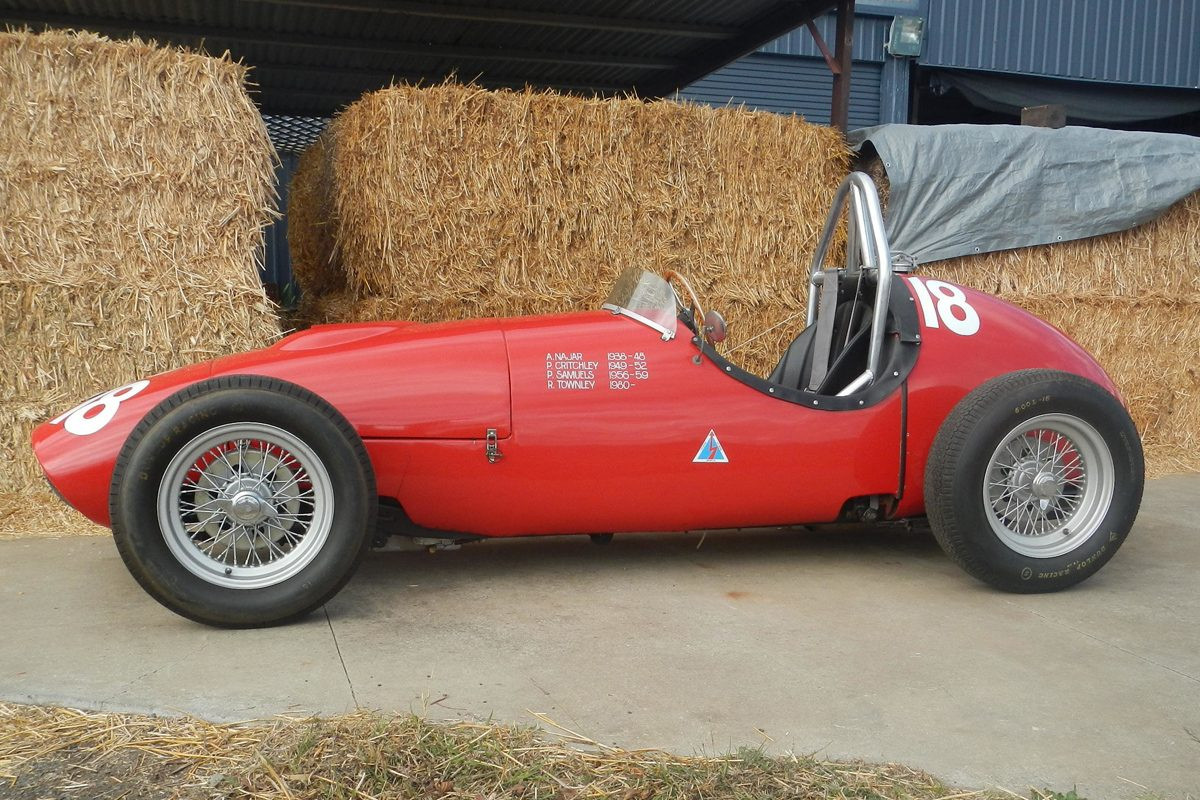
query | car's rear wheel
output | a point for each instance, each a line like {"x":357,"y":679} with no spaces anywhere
{"x":243,"y":501}
{"x":1034,"y":480}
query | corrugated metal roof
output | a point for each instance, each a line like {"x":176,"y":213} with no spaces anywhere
{"x":315,"y":55}
{"x":1148,"y":42}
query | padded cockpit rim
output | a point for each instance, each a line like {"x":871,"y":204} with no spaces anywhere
{"x":903,"y":313}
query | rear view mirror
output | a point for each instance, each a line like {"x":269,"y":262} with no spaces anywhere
{"x":714,"y":327}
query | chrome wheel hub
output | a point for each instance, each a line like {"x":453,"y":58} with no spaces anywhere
{"x":1023,"y":475}
{"x":249,"y":508}
{"x":1048,"y":485}
{"x":1030,"y":482}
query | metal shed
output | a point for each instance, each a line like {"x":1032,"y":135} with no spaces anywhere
{"x":1107,"y":62}
{"x":1153,"y":43}
{"x":789,"y":74}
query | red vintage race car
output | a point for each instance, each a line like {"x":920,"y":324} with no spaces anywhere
{"x":244,"y":491}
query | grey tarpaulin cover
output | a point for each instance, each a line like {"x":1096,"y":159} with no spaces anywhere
{"x":962,"y":189}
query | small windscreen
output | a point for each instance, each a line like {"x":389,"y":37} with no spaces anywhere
{"x":645,"y":297}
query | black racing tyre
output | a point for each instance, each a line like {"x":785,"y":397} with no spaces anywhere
{"x":1034,"y":480}
{"x":243,"y":501}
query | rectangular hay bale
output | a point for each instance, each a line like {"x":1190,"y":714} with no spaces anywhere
{"x":453,"y":199}
{"x":137,"y":182}
{"x":1160,"y":258}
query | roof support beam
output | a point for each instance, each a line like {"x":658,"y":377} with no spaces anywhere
{"x":819,"y":40}
{"x":839,"y":107}
{"x":551,"y":19}
{"x":710,"y":57}
{"x":175,"y":31}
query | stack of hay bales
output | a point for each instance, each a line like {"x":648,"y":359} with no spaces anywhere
{"x":1132,"y":299}
{"x":135,"y":182}
{"x":452,"y":201}
{"x":310,"y":234}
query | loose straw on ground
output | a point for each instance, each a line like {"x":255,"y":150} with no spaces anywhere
{"x":366,"y":755}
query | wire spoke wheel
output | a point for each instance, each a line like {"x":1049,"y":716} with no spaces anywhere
{"x":243,"y":500}
{"x":245,"y":505}
{"x":1034,"y":480}
{"x":1048,"y":485}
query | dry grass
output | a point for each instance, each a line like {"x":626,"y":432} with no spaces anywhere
{"x":366,"y":756}
{"x":453,"y":201}
{"x":38,"y":513}
{"x":136,"y":183}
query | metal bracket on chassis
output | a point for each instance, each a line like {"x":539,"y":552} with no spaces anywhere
{"x":393,"y":521}
{"x":870,"y":509}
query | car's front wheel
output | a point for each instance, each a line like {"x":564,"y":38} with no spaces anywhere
{"x":1034,"y":480}
{"x":243,"y":501}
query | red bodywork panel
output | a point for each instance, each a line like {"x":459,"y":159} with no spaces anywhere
{"x":599,"y":422}
{"x":950,"y":366}
{"x":390,"y":380}
{"x":597,"y":448}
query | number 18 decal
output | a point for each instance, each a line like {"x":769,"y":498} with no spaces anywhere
{"x":92,"y":415}
{"x":951,"y":309}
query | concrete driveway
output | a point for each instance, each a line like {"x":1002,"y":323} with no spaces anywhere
{"x":849,"y":644}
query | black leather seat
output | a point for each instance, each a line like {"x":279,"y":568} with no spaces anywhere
{"x":795,"y":367}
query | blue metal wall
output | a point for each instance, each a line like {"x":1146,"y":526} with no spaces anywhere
{"x":789,"y":75}
{"x":1141,"y":42}
{"x":869,"y":35}
{"x":277,"y":265}
{"x":1138,"y":42}
{"x":788,"y":85}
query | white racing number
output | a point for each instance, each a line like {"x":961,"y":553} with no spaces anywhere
{"x":945,"y":304}
{"x":91,"y":415}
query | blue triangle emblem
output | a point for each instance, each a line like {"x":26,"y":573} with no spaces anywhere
{"x":711,"y":451}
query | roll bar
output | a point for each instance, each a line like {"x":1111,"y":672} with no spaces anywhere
{"x":867,"y":253}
